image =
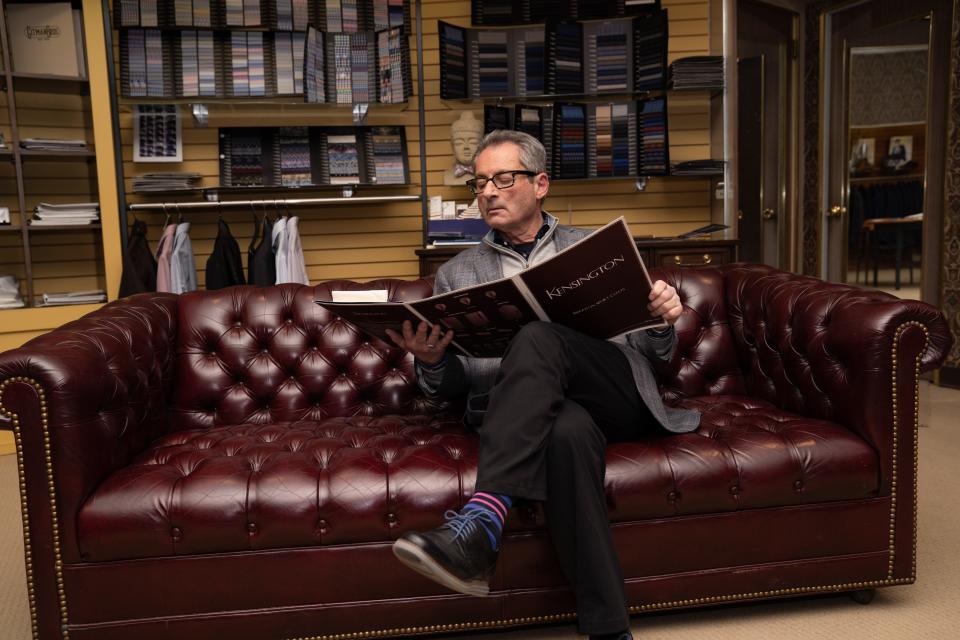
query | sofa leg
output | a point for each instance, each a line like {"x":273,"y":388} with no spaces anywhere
{"x":863,"y":596}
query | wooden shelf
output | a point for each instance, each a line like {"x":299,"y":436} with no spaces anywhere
{"x":57,"y":155}
{"x":9,"y":228}
{"x":48,"y":83}
{"x":63,"y":227}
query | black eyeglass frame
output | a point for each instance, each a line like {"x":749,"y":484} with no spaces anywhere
{"x":475,"y":189}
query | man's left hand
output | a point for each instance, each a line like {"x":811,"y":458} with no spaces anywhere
{"x":664,"y":302}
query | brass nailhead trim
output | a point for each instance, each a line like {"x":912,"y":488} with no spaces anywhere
{"x":28,"y":551}
{"x":849,"y":586}
{"x":509,"y":622}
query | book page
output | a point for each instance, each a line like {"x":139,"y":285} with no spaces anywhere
{"x":484,"y":318}
{"x":598,"y":286}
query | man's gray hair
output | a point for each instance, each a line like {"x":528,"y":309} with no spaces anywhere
{"x":533,"y":156}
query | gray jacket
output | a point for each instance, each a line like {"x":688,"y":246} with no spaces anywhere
{"x":482,"y":264}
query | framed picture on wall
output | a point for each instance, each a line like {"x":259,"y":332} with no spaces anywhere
{"x":862,"y":154}
{"x":156,"y":133}
{"x":900,"y":151}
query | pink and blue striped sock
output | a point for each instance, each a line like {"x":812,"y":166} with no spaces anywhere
{"x":494,"y":507}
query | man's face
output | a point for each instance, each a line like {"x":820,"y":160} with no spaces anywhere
{"x":465,"y":146}
{"x":514,"y":206}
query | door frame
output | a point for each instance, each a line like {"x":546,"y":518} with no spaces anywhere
{"x":938,"y":77}
{"x":791,"y":223}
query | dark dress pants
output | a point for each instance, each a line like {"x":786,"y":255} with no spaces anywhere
{"x":559,"y":398}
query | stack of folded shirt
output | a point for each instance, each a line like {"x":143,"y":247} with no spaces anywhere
{"x":10,"y":293}
{"x":74,"y":297}
{"x":166,"y":181}
{"x":697,"y":168}
{"x":53,"y":144}
{"x":77,"y":213}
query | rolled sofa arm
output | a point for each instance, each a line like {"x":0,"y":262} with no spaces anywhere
{"x":84,"y":399}
{"x":817,"y":349}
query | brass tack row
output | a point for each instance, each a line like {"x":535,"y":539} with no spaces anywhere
{"x":28,"y":552}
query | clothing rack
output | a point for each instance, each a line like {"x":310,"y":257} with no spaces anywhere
{"x":289,"y":202}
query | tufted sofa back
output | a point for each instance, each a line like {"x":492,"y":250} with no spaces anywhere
{"x":247,"y":355}
{"x":752,"y":330}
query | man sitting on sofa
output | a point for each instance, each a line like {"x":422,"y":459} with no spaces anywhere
{"x":548,"y":407}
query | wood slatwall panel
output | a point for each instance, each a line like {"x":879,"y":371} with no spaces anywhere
{"x":62,"y":260}
{"x":365,"y":242}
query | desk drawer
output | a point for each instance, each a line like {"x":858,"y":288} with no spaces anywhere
{"x":692,"y":257}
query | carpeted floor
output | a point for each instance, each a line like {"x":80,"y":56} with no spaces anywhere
{"x":925,"y":610}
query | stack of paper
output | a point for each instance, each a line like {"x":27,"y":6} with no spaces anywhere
{"x":166,"y":181}
{"x":697,"y":72}
{"x":79,"y":213}
{"x":53,"y":144}
{"x":74,"y":297}
{"x":10,"y":293}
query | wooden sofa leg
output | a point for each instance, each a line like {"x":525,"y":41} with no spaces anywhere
{"x":863,"y":596}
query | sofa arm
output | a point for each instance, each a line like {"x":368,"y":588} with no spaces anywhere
{"x":834,"y":352}
{"x":84,"y":398}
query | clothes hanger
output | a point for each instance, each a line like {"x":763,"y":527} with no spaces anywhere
{"x":219,"y":211}
{"x":166,"y":220}
{"x":179,"y":213}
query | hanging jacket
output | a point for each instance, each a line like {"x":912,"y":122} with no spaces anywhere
{"x":164,"y":251}
{"x":139,"y":265}
{"x":183,"y":271}
{"x":264,"y":269}
{"x":296,"y":265}
{"x":281,"y":250}
{"x":252,"y":251}
{"x":224,"y":267}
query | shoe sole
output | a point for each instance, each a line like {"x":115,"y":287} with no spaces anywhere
{"x":421,"y":562}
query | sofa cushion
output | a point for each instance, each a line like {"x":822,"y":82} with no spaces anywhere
{"x":361,"y":479}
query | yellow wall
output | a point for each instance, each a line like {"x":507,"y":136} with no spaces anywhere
{"x":363,"y":242}
{"x":355,"y":242}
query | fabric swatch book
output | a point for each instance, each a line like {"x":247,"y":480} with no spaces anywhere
{"x":599,"y":286}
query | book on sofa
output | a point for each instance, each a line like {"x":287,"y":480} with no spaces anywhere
{"x":599,"y":286}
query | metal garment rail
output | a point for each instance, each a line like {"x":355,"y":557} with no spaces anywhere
{"x":287,"y":202}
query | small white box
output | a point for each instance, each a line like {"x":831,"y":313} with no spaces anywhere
{"x":449,"y":210}
{"x":436,"y":207}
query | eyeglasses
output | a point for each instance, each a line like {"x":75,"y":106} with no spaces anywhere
{"x":502,"y":180}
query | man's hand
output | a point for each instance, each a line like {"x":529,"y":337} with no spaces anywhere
{"x":664,"y":302}
{"x":427,"y":348}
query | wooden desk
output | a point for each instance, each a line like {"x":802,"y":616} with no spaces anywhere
{"x":655,"y":253}
{"x":870,"y":225}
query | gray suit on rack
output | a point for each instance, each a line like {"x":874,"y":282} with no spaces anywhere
{"x":483,"y":263}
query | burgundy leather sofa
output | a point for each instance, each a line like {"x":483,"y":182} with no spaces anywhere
{"x":235,"y":464}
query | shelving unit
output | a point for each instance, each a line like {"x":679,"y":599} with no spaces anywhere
{"x":42,"y":103}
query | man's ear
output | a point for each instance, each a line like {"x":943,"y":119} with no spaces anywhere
{"x":542,"y":184}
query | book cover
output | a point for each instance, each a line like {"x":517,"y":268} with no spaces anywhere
{"x":599,"y":286}
{"x":43,"y":38}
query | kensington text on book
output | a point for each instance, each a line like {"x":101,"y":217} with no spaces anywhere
{"x":598,"y":286}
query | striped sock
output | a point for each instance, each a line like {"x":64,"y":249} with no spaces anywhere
{"x":495,"y":507}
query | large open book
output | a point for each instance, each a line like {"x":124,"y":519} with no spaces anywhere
{"x":598,"y":286}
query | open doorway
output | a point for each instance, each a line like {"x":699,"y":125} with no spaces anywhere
{"x":883,"y":132}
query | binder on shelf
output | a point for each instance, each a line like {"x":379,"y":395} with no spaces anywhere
{"x":565,"y":58}
{"x":146,"y":64}
{"x":569,"y":140}
{"x":312,"y":156}
{"x":496,"y":117}
{"x":609,"y":57}
{"x":42,"y":38}
{"x":650,"y":51}
{"x":653,"y":142}
{"x":505,"y":12}
{"x":453,"y":61}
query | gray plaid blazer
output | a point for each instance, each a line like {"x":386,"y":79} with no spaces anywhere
{"x":482,"y":263}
